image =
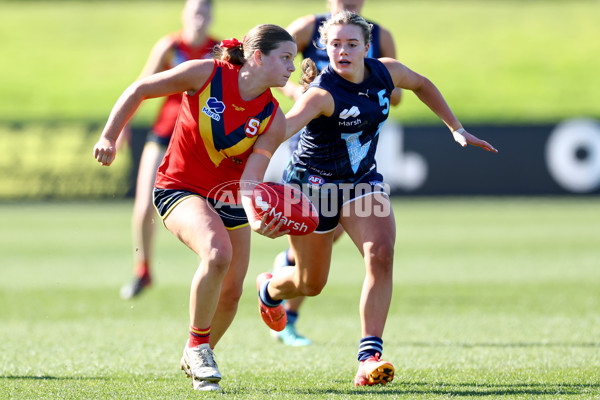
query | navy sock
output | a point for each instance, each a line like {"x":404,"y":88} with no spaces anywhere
{"x":291,"y":263}
{"x":263,"y":293}
{"x":292,"y":316}
{"x":369,"y":346}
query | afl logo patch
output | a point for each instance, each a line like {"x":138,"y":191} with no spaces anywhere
{"x":316,"y":180}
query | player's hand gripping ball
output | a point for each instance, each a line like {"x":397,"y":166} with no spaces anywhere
{"x":287,"y":203}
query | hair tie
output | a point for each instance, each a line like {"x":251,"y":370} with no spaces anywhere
{"x":229,"y":43}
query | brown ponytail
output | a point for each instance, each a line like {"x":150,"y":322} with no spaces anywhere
{"x":262,"y":37}
{"x":309,"y":72}
{"x":230,"y":50}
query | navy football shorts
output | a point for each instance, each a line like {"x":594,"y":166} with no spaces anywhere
{"x":329,"y":195}
{"x":232,"y":215}
{"x":162,"y":141}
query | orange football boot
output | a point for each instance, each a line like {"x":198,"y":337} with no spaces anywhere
{"x":274,"y":317}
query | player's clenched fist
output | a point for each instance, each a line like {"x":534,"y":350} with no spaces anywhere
{"x":105,"y":151}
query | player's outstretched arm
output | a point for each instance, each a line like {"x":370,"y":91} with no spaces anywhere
{"x":188,"y":76}
{"x":429,"y":94}
{"x":312,"y":104}
{"x":462,"y":137}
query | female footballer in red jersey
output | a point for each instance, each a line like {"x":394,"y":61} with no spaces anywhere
{"x":229,"y":125}
{"x":190,"y":43}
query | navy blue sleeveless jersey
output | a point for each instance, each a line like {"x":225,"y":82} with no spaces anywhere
{"x":319,"y":54}
{"x":342,"y":146}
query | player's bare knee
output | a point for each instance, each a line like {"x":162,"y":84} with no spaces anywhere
{"x":219,"y":258}
{"x":312,"y":289}
{"x":380,"y":255}
{"x":230,"y":297}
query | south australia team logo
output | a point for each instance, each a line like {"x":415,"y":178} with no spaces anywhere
{"x":252,"y":126}
{"x":214,"y":108}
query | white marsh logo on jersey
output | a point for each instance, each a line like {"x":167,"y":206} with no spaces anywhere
{"x":352,"y":113}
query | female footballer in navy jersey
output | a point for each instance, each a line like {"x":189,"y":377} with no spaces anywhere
{"x":341,"y":112}
{"x":305,"y":31}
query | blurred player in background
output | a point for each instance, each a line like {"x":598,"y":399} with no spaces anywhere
{"x":191,"y":42}
{"x":228,"y":127}
{"x":341,"y":114}
{"x":306,"y":32}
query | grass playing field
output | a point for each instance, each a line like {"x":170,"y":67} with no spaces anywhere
{"x":494,"y":298}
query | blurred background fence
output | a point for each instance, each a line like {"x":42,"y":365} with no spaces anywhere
{"x":54,"y":161}
{"x":534,"y":159}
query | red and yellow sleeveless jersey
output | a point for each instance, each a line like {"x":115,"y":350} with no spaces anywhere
{"x":178,"y":52}
{"x":214,"y":134}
